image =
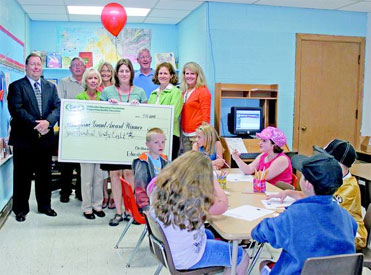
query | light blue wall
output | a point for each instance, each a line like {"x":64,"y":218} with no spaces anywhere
{"x":13,"y":19}
{"x":257,"y":44}
{"x":44,"y":37}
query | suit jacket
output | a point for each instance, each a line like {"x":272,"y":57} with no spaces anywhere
{"x":23,"y":108}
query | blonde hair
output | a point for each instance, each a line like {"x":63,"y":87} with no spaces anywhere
{"x":210,"y":135}
{"x":110,"y":68}
{"x":185,"y":191}
{"x":194,"y":67}
{"x":153,"y":131}
{"x":87,"y":73}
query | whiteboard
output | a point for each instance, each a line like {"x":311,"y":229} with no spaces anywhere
{"x":103,"y":132}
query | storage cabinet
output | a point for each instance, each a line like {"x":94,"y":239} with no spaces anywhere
{"x":267,"y":94}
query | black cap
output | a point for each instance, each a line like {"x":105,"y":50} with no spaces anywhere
{"x":321,"y":170}
{"x":343,"y":151}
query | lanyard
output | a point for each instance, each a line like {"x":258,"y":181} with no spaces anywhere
{"x":118,"y":92}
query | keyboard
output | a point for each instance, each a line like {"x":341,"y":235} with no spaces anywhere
{"x":248,"y":155}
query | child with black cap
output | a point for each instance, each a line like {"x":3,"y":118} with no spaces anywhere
{"x":348,"y":194}
{"x":313,"y":226}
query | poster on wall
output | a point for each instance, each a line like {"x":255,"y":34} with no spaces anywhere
{"x":71,"y":41}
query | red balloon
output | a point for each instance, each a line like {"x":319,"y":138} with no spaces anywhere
{"x":113,"y":18}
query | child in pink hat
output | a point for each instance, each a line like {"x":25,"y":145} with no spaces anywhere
{"x":272,"y":158}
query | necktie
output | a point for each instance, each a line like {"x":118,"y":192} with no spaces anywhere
{"x":38,"y":96}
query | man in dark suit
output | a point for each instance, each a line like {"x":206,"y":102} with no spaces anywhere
{"x":35,"y":108}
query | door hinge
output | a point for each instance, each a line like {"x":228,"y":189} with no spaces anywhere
{"x":357,"y":114}
{"x":359,"y":59}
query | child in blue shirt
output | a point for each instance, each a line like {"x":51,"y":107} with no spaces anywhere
{"x":314,"y":226}
{"x":148,"y":165}
{"x":207,"y":142}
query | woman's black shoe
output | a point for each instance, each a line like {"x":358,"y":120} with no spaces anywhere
{"x":99,"y":213}
{"x":89,"y":216}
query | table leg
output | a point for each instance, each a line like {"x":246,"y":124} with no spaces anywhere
{"x":234,"y":256}
{"x":256,"y":257}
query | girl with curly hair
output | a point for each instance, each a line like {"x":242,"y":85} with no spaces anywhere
{"x":185,"y":196}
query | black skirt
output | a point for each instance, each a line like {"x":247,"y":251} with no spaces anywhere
{"x":114,"y":167}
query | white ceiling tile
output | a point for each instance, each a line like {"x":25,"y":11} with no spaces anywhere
{"x":41,"y":2}
{"x":96,"y":18}
{"x":84,"y":18}
{"x":235,"y":1}
{"x":316,"y":4}
{"x":129,"y":3}
{"x":48,"y":17}
{"x":136,"y":19}
{"x":161,"y":13}
{"x":177,"y":5}
{"x":159,"y":20}
{"x":360,"y":6}
{"x":44,"y":9}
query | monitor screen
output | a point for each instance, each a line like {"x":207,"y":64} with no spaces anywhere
{"x":245,"y":120}
{"x":248,"y":120}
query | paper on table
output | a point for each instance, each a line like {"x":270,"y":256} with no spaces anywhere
{"x":239,"y":177}
{"x":275,"y":203}
{"x":247,"y":212}
{"x":236,"y":143}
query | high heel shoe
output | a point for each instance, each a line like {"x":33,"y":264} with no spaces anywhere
{"x":105,"y":203}
{"x":111,"y":204}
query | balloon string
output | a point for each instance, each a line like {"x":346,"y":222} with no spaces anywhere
{"x":117,"y":57}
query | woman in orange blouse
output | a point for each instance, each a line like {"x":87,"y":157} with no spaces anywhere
{"x":197,"y":102}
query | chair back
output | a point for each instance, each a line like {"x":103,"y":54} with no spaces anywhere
{"x":130,"y":202}
{"x":347,"y":264}
{"x":160,"y":248}
{"x":283,"y":185}
{"x":367,"y":222}
{"x":294,"y":180}
{"x":158,"y":243}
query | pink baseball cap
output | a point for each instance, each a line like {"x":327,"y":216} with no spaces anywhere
{"x":274,"y":134}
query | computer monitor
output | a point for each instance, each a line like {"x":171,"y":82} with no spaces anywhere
{"x":245,"y":121}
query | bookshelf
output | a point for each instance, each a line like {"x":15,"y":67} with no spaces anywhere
{"x":266,"y":94}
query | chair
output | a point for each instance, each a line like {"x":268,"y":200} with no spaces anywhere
{"x":347,"y":264}
{"x":294,"y":180}
{"x":161,"y":250}
{"x":367,"y":251}
{"x":131,"y":207}
{"x":283,"y":185}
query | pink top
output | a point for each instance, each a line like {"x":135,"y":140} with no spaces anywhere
{"x":285,"y":176}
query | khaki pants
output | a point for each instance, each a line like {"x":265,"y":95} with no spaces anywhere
{"x":91,"y":187}
{"x":187,"y":143}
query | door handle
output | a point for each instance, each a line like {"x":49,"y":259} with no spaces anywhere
{"x":304,"y":128}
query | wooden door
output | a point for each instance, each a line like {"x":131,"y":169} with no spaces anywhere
{"x":329,"y":84}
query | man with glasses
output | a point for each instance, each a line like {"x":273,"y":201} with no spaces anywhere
{"x":143,"y":78}
{"x":68,"y":88}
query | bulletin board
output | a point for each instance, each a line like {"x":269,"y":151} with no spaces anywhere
{"x":12,"y":51}
{"x":12,"y":54}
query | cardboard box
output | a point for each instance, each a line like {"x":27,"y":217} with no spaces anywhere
{"x":366,"y":145}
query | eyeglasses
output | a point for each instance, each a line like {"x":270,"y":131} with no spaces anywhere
{"x":144,"y":57}
{"x":78,"y":65}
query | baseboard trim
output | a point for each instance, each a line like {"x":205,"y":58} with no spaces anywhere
{"x":5,"y":212}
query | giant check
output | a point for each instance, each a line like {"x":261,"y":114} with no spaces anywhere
{"x":102,"y":132}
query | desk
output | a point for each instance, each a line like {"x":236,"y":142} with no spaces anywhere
{"x":363,"y":156}
{"x":232,"y":229}
{"x":363,"y":171}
